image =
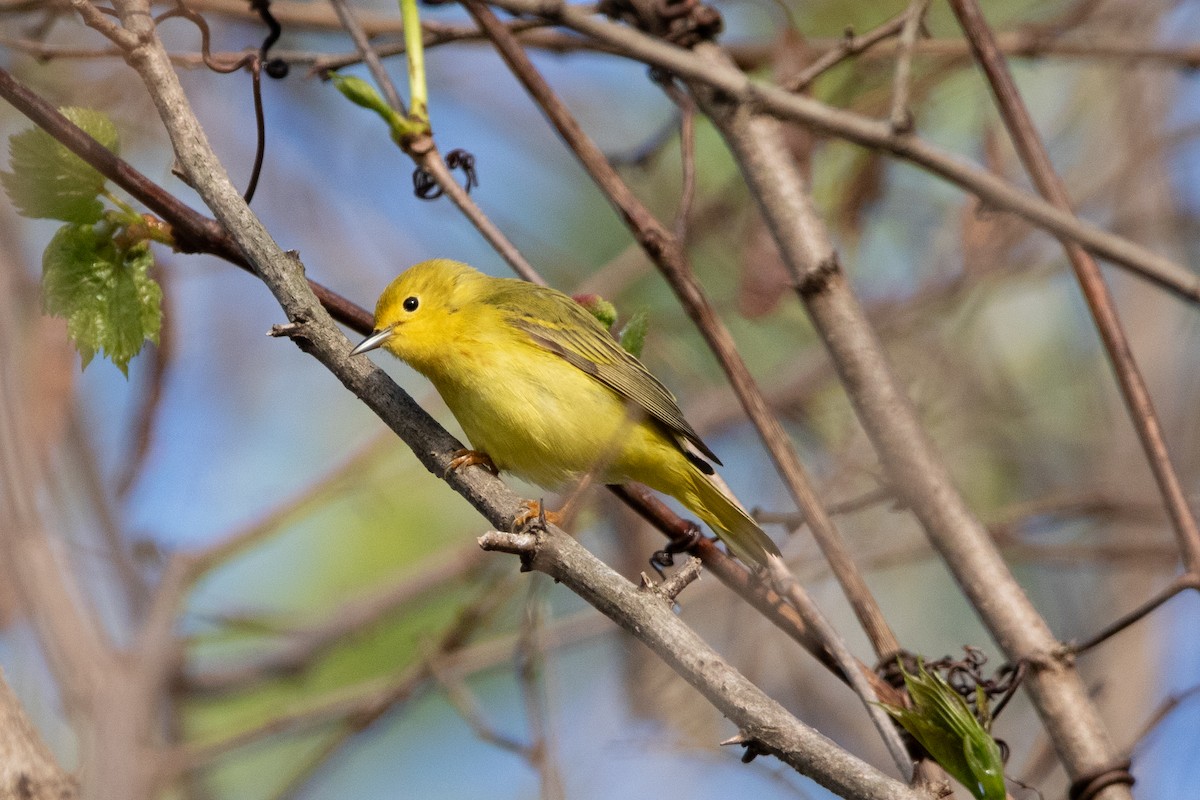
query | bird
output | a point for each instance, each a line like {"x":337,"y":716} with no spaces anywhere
{"x":544,"y":392}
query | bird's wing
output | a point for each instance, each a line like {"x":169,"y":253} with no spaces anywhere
{"x":562,"y":326}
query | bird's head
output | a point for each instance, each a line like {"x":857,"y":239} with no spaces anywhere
{"x":416,"y":314}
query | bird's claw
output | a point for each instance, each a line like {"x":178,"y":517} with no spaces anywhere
{"x":661,"y":559}
{"x":534,"y":512}
{"x":470,"y":458}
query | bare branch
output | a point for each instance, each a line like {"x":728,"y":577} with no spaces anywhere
{"x":27,"y":767}
{"x":1099,"y":298}
{"x":786,"y":584}
{"x":648,"y":617}
{"x":847,"y":47}
{"x":302,"y":647}
{"x":915,"y":469}
{"x":901,"y":117}
{"x":992,"y":190}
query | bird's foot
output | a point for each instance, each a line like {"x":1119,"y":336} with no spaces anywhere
{"x":661,"y":559}
{"x":470,"y":458}
{"x":535,"y":511}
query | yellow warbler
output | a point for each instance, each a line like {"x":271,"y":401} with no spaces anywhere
{"x":543,"y":391}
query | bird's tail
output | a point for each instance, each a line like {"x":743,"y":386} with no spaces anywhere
{"x":709,"y":498}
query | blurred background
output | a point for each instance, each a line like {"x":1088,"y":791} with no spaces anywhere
{"x":354,"y":642}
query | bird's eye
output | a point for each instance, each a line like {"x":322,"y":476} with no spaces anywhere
{"x":411,"y":303}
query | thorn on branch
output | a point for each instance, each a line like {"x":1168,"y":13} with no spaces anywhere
{"x":753,"y":747}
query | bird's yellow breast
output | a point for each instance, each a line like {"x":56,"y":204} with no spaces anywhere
{"x":536,"y":415}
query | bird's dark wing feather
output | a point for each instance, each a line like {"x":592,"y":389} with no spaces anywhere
{"x":562,"y":326}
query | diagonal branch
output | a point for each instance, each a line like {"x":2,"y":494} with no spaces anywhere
{"x":762,"y":721}
{"x":192,"y":231}
{"x":1099,"y":298}
{"x":848,"y":47}
{"x":915,"y":469}
{"x":900,"y":117}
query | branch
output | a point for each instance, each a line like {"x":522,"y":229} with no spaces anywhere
{"x":649,"y":618}
{"x":725,"y":77}
{"x":915,"y":470}
{"x":424,"y":152}
{"x":848,"y":47}
{"x":900,"y":117}
{"x":27,"y":768}
{"x":1099,"y":298}
{"x":300,"y":648}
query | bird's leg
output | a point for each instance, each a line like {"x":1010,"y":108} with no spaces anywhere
{"x":661,"y":559}
{"x":471,"y":458}
{"x":536,"y":510}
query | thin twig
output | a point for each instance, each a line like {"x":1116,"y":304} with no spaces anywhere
{"x":462,"y":700}
{"x":302,"y":647}
{"x":530,"y":656}
{"x":900,"y":116}
{"x":362,"y":43}
{"x":1164,"y":710}
{"x":432,"y":163}
{"x":1099,"y":298}
{"x":360,"y":706}
{"x":1181,"y":584}
{"x":786,"y":584}
{"x":1112,"y":50}
{"x":847,"y":47}
{"x":200,"y":562}
{"x":117,"y":549}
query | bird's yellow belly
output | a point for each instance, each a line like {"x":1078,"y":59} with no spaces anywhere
{"x":542,"y":419}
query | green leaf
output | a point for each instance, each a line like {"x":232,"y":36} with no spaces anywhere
{"x":105,"y":292}
{"x":633,"y":335}
{"x":943,"y":723}
{"x":48,"y":181}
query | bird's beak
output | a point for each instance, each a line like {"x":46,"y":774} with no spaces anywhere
{"x":371,"y":342}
